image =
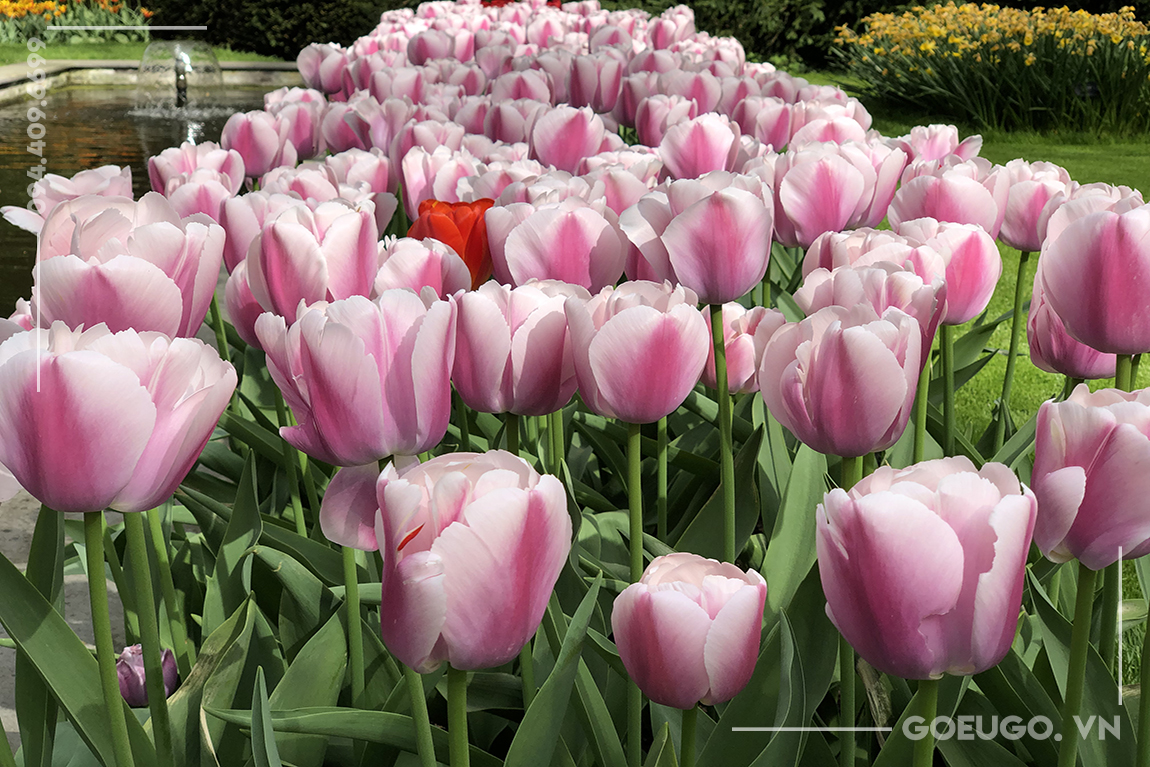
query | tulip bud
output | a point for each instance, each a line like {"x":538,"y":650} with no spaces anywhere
{"x":130,"y":670}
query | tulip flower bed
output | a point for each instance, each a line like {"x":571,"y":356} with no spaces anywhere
{"x":567,"y":406}
{"x":23,"y":20}
{"x":1009,"y":68}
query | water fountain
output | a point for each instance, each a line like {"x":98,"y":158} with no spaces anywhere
{"x":178,"y":74}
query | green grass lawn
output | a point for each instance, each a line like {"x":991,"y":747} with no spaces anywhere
{"x":11,"y":53}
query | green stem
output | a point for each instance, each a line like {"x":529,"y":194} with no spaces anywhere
{"x":661,"y":478}
{"x":852,"y":471}
{"x":291,"y":463}
{"x":127,"y":601}
{"x":1144,"y":711}
{"x":1108,"y":638}
{"x":635,"y":498}
{"x":102,"y":630}
{"x":726,"y":448}
{"x":846,"y":703}
{"x":920,"y":402}
{"x":1068,"y":387}
{"x":457,"y":717}
{"x":183,"y":649}
{"x":634,"y":725}
{"x":354,"y":632}
{"x":558,"y":454}
{"x":1124,"y":372}
{"x":1012,"y":354}
{"x":221,"y":333}
{"x":946,"y":336}
{"x":512,"y":432}
{"x":149,"y":636}
{"x":924,"y":748}
{"x":687,"y":750}
{"x":1076,"y":675}
{"x":527,"y":674}
{"x":424,"y":743}
{"x":464,"y":424}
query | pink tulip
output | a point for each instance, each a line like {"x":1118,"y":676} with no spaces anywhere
{"x":1090,"y":478}
{"x":243,"y":217}
{"x":658,"y":112}
{"x":632,"y":90}
{"x":322,"y":255}
{"x":322,"y":65}
{"x":130,"y":265}
{"x":1051,"y":347}
{"x":565,"y":135}
{"x":672,"y":26}
{"x":962,"y":193}
{"x":1033,"y":188}
{"x":639,"y":349}
{"x":366,"y":379}
{"x":937,"y":142}
{"x":573,"y":241}
{"x":302,"y":121}
{"x":1080,"y":200}
{"x":595,"y":81}
{"x":260,"y":140}
{"x":695,"y":147}
{"x":688,"y":631}
{"x":973,"y":264}
{"x":883,"y":285}
{"x":409,"y":263}
{"x":1096,"y":275}
{"x":920,"y":611}
{"x":430,"y":44}
{"x":51,"y":190}
{"x":745,"y":336}
{"x":766,"y":118}
{"x":866,"y":247}
{"x":434,"y":175}
{"x":240,"y":307}
{"x":310,"y":181}
{"x":512,"y":354}
{"x":843,"y":380}
{"x":719,"y":245}
{"x":188,"y":158}
{"x":90,"y":420}
{"x":511,"y":121}
{"x":472,"y":546}
{"x":530,"y":84}
{"x":130,"y":670}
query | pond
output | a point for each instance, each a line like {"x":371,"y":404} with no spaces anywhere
{"x":87,"y":128}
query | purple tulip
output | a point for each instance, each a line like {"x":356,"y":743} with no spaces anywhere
{"x":366,"y":379}
{"x":920,"y":611}
{"x":130,"y":670}
{"x":91,"y":419}
{"x":688,"y":631}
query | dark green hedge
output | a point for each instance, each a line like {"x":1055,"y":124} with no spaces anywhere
{"x":272,"y":27}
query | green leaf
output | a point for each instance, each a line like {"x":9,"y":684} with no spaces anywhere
{"x":357,"y":724}
{"x":231,"y":582}
{"x":1019,"y":445}
{"x":313,"y":680}
{"x":898,"y":751}
{"x":1014,"y":691}
{"x":538,"y":733}
{"x":774,"y":457}
{"x":1100,"y":697}
{"x":264,"y":752}
{"x":304,"y":601}
{"x":265,"y":442}
{"x":35,"y":706}
{"x":68,"y":668}
{"x":704,"y":535}
{"x":662,"y":753}
{"x":791,"y":551}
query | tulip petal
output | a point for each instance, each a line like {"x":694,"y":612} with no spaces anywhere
{"x":661,"y":636}
{"x":123,"y":293}
{"x":414,"y":609}
{"x":349,"y":508}
{"x":733,"y":644}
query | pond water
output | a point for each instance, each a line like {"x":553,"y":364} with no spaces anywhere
{"x":86,"y":128}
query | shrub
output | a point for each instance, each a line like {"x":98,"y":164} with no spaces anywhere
{"x":273,"y":27}
{"x":1009,"y":68}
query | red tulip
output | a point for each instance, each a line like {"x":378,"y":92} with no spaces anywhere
{"x":461,"y":226}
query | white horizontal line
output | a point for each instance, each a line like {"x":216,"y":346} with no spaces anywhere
{"x":812,"y":729}
{"x":121,"y":26}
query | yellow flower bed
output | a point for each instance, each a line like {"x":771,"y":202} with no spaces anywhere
{"x":1008,"y":67}
{"x":23,"y":19}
